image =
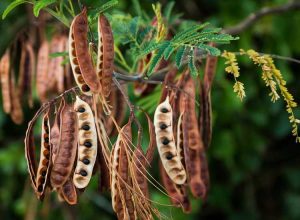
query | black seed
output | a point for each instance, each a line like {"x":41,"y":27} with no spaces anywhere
{"x":163,"y":126}
{"x":40,"y":188}
{"x":46,"y":123}
{"x":165,"y":141}
{"x":81,"y":109}
{"x":87,"y":144}
{"x":85,"y":88}
{"x":86,"y":161}
{"x":86,"y":127}
{"x":42,"y":180}
{"x":164,"y":110}
{"x":83,"y":173}
{"x":169,"y":156}
{"x":47,"y":140}
{"x":44,"y":173}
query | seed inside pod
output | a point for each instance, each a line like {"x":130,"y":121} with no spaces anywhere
{"x":86,"y":127}
{"x":86,"y":161}
{"x":83,"y":173}
{"x":47,"y":140}
{"x":40,"y":188}
{"x":87,"y":144}
{"x":44,"y":173}
{"x":169,"y":156}
{"x":81,"y":109}
{"x":163,"y":126}
{"x":164,"y":110}
{"x":85,"y":88}
{"x":165,"y":141}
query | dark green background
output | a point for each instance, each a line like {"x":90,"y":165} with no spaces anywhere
{"x":254,"y":162}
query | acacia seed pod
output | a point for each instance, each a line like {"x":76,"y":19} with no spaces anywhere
{"x":105,"y":61}
{"x":16,"y":107}
{"x":65,"y":158}
{"x":5,"y":81}
{"x":84,"y":59}
{"x":45,"y":158}
{"x":42,"y":71}
{"x":87,"y":144}
{"x":68,"y":192}
{"x":166,"y":143}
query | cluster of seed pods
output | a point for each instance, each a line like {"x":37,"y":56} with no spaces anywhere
{"x":75,"y":142}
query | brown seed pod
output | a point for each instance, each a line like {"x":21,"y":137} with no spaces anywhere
{"x":16,"y":107}
{"x":42,"y":71}
{"x":205,"y":119}
{"x":45,"y":158}
{"x":26,"y":72}
{"x":84,"y":59}
{"x":68,"y":192}
{"x":192,"y":142}
{"x":55,"y":68}
{"x":121,"y":197}
{"x":166,"y":143}
{"x":177,"y":193}
{"x":87,"y":144}
{"x":55,"y":131}
{"x":65,"y":158}
{"x":5,"y":81}
{"x":105,"y":61}
{"x":205,"y":171}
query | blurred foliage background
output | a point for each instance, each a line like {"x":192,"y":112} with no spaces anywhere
{"x":253,"y":160}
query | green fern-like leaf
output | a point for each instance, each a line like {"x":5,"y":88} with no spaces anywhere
{"x":169,"y":50}
{"x":179,"y":37}
{"x":210,"y":50}
{"x":179,"y":56}
{"x":191,"y":63}
{"x":157,"y":57}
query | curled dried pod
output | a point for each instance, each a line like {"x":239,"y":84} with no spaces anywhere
{"x":105,"y":60}
{"x":121,"y":197}
{"x":42,"y":71}
{"x":55,"y":131}
{"x":87,"y":144}
{"x":16,"y":113}
{"x":166,"y":143}
{"x":68,"y":192}
{"x":79,"y":28}
{"x":5,"y":81}
{"x":45,"y":157}
{"x":65,"y":158}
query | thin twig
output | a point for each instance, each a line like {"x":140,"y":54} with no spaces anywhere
{"x":254,"y":17}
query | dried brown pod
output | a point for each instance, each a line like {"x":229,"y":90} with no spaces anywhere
{"x":177,"y":193}
{"x":5,"y":81}
{"x":45,"y":158}
{"x":105,"y":59}
{"x":68,"y":192}
{"x":87,"y":144}
{"x":65,"y":158}
{"x":26,"y":72}
{"x":192,"y":140}
{"x":55,"y":131}
{"x":121,"y":197}
{"x":84,"y":59}
{"x":205,"y":119}
{"x":16,"y":107}
{"x":42,"y":71}
{"x":55,"y":67}
{"x":166,"y":143}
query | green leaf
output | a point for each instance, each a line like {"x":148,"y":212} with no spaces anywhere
{"x":179,"y":56}
{"x":148,"y":47}
{"x":157,"y":57}
{"x":133,"y":26}
{"x":11,"y":6}
{"x":168,"y":10}
{"x":210,"y":50}
{"x":137,"y":7}
{"x":169,"y":50}
{"x":38,"y":5}
{"x":191,"y":63}
{"x":108,"y":5}
{"x":187,"y":32}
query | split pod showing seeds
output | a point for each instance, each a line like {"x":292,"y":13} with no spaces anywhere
{"x":81,"y":60}
{"x":45,"y":158}
{"x":105,"y":61}
{"x":166,"y":143}
{"x":87,"y":144}
{"x":65,"y":158}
